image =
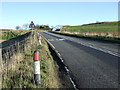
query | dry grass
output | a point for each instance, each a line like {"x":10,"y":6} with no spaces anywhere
{"x":18,"y":73}
{"x":51,"y":73}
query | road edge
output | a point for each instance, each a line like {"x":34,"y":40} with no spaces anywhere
{"x":59,"y":56}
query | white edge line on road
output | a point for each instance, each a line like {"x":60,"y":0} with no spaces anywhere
{"x":71,"y":78}
{"x":62,"y":61}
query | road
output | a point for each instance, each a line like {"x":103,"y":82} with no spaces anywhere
{"x":93,"y":64}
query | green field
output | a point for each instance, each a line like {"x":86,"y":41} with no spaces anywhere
{"x":108,"y":31}
{"x":103,"y":27}
{"x":8,"y":34}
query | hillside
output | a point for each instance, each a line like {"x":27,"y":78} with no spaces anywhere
{"x":95,"y":27}
{"x":101,"y":28}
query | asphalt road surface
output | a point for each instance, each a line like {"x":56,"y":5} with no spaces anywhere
{"x":93,"y":64}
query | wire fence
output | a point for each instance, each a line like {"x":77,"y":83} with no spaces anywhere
{"x":16,"y":46}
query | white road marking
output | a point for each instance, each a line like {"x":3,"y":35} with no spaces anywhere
{"x":56,"y":39}
{"x":61,"y":39}
{"x":50,"y":39}
{"x":94,"y":47}
{"x":100,"y":49}
{"x":62,"y":61}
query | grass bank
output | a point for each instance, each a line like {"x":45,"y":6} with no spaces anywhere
{"x":101,"y":29}
{"x":20,"y":75}
{"x":107,"y":31}
{"x":92,"y":37}
{"x":96,"y":27}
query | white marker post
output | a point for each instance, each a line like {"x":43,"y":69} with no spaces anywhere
{"x":39,"y":39}
{"x":36,"y":68}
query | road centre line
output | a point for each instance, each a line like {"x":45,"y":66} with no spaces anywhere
{"x":100,"y":49}
{"x":56,"y":39}
{"x":92,"y":46}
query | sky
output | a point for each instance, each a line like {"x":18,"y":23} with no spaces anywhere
{"x":56,"y":13}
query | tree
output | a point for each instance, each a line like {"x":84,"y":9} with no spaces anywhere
{"x":17,"y":27}
{"x":43,"y":27}
{"x":46,"y":27}
{"x":25,"y":26}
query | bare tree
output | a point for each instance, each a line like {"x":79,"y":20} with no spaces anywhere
{"x":25,"y":26}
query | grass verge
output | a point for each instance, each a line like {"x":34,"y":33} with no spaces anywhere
{"x":93,"y":37}
{"x":19,"y":71}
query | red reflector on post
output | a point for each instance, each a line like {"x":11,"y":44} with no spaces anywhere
{"x":36,"y":55}
{"x":38,"y":38}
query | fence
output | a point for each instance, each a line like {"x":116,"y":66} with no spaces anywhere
{"x":16,"y":46}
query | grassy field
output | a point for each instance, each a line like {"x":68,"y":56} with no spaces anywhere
{"x":103,"y":27}
{"x":8,"y":34}
{"x":110,"y":28}
{"x":108,"y":31}
{"x":93,"y":37}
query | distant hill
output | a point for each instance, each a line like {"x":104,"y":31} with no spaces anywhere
{"x":94,"y":27}
{"x":6,"y":29}
{"x":98,"y":23}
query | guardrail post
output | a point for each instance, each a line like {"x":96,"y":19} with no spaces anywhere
{"x":36,"y":68}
